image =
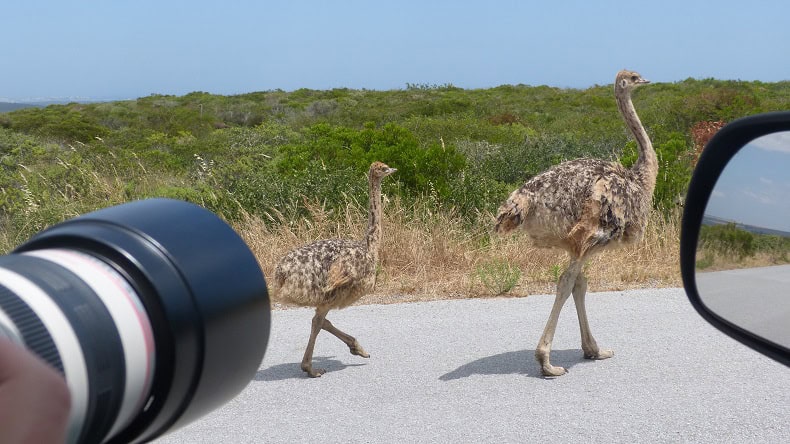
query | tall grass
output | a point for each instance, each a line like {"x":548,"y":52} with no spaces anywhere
{"x":428,"y":255}
{"x":428,"y":251}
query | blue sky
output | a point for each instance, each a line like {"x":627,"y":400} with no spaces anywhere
{"x":754,"y":187}
{"x":101,"y":49}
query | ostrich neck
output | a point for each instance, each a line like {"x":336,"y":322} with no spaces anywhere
{"x":374,"y":219}
{"x":646,"y":165}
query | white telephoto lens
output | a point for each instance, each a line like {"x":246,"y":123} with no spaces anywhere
{"x":66,"y":341}
{"x":131,"y":321}
{"x":8,"y":328}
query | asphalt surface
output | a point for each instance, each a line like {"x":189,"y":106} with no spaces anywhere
{"x":464,"y":371}
{"x":754,"y":298}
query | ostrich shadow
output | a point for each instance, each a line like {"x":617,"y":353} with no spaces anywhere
{"x":517,"y":363}
{"x":293,"y":370}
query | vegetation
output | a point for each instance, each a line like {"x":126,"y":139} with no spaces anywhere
{"x":292,"y":164}
{"x":498,"y":276}
{"x":727,"y":246}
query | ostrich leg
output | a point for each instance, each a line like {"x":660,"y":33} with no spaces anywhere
{"x":307,"y":360}
{"x":590,"y":347}
{"x":351,"y":342}
{"x":564,"y":288}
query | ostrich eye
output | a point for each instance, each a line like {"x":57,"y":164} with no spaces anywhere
{"x":634,"y":78}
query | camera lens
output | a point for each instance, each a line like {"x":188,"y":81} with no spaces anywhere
{"x":155,"y":311}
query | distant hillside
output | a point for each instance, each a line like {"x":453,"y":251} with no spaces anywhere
{"x":713,"y":220}
{"x":6,"y":106}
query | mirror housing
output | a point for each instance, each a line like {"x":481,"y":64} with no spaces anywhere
{"x":714,"y":158}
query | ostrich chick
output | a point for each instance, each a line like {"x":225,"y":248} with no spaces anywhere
{"x":585,"y":206}
{"x":334,"y":273}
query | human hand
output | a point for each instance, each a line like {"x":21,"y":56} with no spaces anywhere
{"x":34,"y":399}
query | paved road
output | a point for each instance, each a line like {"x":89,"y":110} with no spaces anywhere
{"x":463,"y":371}
{"x":755,"y":298}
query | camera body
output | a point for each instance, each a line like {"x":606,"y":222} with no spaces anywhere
{"x":155,"y":311}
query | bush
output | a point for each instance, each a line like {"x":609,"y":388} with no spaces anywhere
{"x":462,"y":150}
{"x":727,"y":239}
{"x":498,"y":276}
{"x":421,"y":169}
{"x":61,"y":122}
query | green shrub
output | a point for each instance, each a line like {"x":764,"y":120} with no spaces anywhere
{"x":498,"y":276}
{"x":727,"y":239}
{"x":268,"y":151}
{"x":421,"y":169}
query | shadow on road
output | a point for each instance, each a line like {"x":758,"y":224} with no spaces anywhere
{"x":281,"y":372}
{"x":515,"y":362}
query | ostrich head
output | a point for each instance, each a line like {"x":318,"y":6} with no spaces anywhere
{"x":380,"y":170}
{"x":626,"y":81}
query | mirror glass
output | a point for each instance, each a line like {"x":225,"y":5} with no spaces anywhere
{"x":743,"y":255}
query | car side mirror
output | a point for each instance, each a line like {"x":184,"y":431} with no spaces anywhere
{"x":735,"y":238}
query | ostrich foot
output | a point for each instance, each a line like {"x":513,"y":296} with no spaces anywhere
{"x":600,"y":354}
{"x":551,"y":371}
{"x":311,"y":372}
{"x":357,"y":349}
{"x":542,"y":356}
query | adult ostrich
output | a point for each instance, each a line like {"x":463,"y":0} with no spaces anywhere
{"x":585,"y":206}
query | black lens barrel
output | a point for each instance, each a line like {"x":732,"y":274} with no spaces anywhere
{"x":204,"y":293}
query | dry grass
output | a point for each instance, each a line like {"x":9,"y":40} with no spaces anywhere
{"x":708,"y":261}
{"x":428,"y":256}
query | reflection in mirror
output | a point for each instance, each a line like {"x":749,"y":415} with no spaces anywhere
{"x":743,"y":254}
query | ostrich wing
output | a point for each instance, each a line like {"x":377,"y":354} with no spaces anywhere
{"x":349,"y":267}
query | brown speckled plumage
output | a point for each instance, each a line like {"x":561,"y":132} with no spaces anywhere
{"x":305,"y":276}
{"x":585,"y":206}
{"x":334,"y":273}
